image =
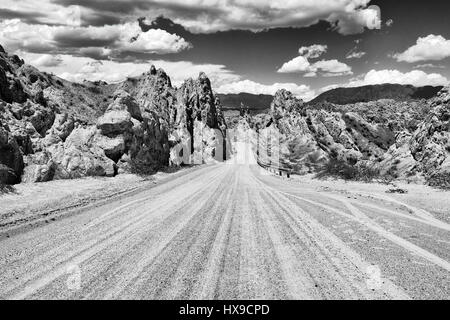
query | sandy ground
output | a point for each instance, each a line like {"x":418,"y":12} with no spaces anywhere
{"x":435,"y":201}
{"x":233,"y":231}
{"x":32,"y":204}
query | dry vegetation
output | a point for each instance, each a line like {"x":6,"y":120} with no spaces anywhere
{"x":336,"y":168}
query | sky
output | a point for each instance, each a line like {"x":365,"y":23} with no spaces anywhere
{"x":254,"y":46}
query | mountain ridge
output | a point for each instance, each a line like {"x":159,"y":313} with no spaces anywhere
{"x":398,"y":92}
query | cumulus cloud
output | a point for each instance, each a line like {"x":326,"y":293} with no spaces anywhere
{"x":332,"y":67}
{"x":302,"y":91}
{"x":416,"y":78}
{"x":298,"y":64}
{"x":17,"y":35}
{"x":431,"y":47}
{"x":354,"y":20}
{"x":314,"y":51}
{"x":47,"y":12}
{"x":156,"y":41}
{"x":347,"y":16}
{"x":327,"y":68}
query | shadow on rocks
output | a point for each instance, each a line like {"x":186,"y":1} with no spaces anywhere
{"x":6,"y":188}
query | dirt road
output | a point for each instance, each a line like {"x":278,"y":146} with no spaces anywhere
{"x":231,"y":231}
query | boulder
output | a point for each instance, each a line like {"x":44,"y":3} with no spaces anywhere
{"x":114,"y":147}
{"x":60,"y":130}
{"x":124,"y":102}
{"x":115,"y":122}
{"x":78,"y":156}
{"x":40,"y":167}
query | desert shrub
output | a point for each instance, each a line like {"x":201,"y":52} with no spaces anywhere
{"x":315,"y":157}
{"x":336,"y":168}
{"x":140,"y":167}
{"x":95,"y":90}
{"x":397,"y":190}
{"x":439,"y":180}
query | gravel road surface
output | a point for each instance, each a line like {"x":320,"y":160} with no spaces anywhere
{"x":232,"y":231}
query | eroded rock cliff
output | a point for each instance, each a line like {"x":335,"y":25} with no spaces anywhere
{"x":408,"y":140}
{"x":54,"y":129}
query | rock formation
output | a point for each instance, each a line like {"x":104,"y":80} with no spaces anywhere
{"x":409,"y":140}
{"x":54,"y":129}
{"x":425,"y":150}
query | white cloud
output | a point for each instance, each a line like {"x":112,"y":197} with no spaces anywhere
{"x":353,"y":20}
{"x":348,"y":16}
{"x":431,"y":47}
{"x":327,"y":68}
{"x":17,"y":35}
{"x":429,"y":65}
{"x":416,"y":78}
{"x":156,"y":41}
{"x":332,"y":67}
{"x":298,"y":64}
{"x":48,"y":12}
{"x":355,"y":55}
{"x":302,"y":91}
{"x":329,"y":87}
{"x":312,"y":52}
{"x":97,"y":52}
{"x":46,"y":60}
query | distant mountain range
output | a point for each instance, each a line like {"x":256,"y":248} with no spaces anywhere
{"x":255,"y":103}
{"x":261,"y":102}
{"x":376,"y":92}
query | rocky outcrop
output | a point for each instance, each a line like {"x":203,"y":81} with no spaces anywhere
{"x":311,"y":136}
{"x":11,"y":159}
{"x":114,"y":122}
{"x":415,"y":148}
{"x":5,"y":92}
{"x":62,"y":126}
{"x":199,"y":124}
{"x":178,"y":111}
{"x":137,"y":134}
{"x":39,"y":167}
{"x":426,"y":150}
{"x":284,"y":103}
{"x":66,"y":130}
{"x":78,"y":156}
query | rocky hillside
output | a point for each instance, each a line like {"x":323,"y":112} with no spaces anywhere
{"x":376,"y":92}
{"x":397,"y":139}
{"x":54,"y":129}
